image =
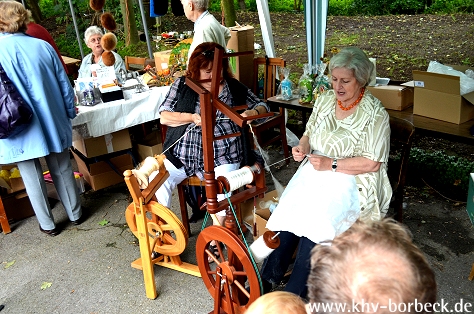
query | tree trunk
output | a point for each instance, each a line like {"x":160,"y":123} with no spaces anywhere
{"x":242,"y":5}
{"x":35,"y":10}
{"x":229,"y":12}
{"x":129,"y":26}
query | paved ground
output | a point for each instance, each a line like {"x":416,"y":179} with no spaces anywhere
{"x":89,"y":269}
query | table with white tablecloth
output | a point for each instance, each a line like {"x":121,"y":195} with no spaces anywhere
{"x":113,"y":116}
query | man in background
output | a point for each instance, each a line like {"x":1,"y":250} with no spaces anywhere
{"x":206,"y":27}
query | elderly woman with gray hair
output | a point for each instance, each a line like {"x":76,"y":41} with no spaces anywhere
{"x":92,"y":37}
{"x":343,"y":176}
{"x":38,"y":74}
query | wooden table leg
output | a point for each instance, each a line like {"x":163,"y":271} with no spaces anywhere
{"x":3,"y":219}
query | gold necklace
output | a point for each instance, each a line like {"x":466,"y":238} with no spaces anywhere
{"x":339,"y":103}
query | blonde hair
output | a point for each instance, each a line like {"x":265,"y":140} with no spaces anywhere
{"x":281,"y":302}
{"x":14,"y":18}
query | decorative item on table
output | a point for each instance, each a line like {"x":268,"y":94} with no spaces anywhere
{"x":179,"y":56}
{"x":134,"y":86}
{"x":109,"y":91}
{"x":285,"y":90}
{"x":86,"y":91}
{"x":305,"y":85}
{"x":108,"y":85}
{"x":321,"y":83}
{"x":170,"y":39}
{"x":162,"y":77}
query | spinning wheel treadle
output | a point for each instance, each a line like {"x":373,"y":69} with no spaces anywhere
{"x":167,"y":234}
{"x":233,"y":267}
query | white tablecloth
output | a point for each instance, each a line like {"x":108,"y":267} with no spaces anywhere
{"x":117,"y":115}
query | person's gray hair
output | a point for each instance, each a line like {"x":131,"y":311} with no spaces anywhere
{"x":200,"y":5}
{"x":353,"y":58}
{"x":91,"y":31}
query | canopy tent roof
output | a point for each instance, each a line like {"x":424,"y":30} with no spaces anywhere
{"x":315,"y":19}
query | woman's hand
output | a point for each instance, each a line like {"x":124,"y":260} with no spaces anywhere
{"x":249,"y":113}
{"x":300,"y":151}
{"x":175,"y":119}
{"x":320,"y":163}
{"x":196,"y":119}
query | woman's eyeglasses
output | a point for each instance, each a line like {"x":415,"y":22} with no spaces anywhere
{"x":95,"y":40}
{"x":208,"y":54}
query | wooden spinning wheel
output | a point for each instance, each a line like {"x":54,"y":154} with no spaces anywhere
{"x":225,"y":278}
{"x":166,"y":232}
{"x":227,"y":282}
{"x":161,"y":235}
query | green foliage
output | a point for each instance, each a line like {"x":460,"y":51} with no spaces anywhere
{"x":251,"y":5}
{"x":341,"y":7}
{"x":139,"y":49}
{"x":448,"y":174}
{"x":451,"y":6}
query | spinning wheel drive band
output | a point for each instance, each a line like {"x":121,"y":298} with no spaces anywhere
{"x":225,"y":279}
{"x":167,"y":233}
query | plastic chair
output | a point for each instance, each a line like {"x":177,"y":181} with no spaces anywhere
{"x":270,"y":78}
{"x":400,"y":143}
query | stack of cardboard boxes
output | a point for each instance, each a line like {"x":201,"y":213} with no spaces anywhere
{"x":103,"y":159}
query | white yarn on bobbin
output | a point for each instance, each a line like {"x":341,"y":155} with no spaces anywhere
{"x":260,"y":250}
{"x":149,"y":165}
{"x":239,"y":178}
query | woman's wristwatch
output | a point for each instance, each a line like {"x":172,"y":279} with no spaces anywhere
{"x":334,"y":165}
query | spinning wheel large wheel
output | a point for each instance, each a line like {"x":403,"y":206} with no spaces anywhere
{"x":225,"y":281}
{"x":167,"y":234}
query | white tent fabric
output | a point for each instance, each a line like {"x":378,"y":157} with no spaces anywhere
{"x":315,"y":19}
{"x":266,"y":26}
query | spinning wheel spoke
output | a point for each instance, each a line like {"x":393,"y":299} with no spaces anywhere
{"x":166,"y":227}
{"x":168,"y":239}
{"x":233,"y":268}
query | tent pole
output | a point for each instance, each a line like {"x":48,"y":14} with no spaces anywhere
{"x":315,"y":20}
{"x":75,"y":27}
{"x":145,"y":28}
{"x":266,"y":26}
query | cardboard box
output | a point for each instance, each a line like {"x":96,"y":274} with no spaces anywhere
{"x":151,"y":145}
{"x":257,"y":221}
{"x":242,"y":39}
{"x":393,"y":97}
{"x":438,"y":96}
{"x":52,"y":193}
{"x":161,"y":57}
{"x":17,"y":206}
{"x":470,"y":199}
{"x":106,"y":144}
{"x":14,"y":184}
{"x":100,"y":175}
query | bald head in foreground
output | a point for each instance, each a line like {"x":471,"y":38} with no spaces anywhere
{"x":371,"y":268}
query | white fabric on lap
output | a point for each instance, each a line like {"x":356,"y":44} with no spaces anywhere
{"x":318,"y":205}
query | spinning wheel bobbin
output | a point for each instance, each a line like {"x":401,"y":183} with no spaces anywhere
{"x":271,"y":239}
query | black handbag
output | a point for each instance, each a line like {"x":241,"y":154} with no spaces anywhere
{"x":15,"y":113}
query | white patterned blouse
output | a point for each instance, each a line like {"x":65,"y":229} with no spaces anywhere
{"x":365,"y":133}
